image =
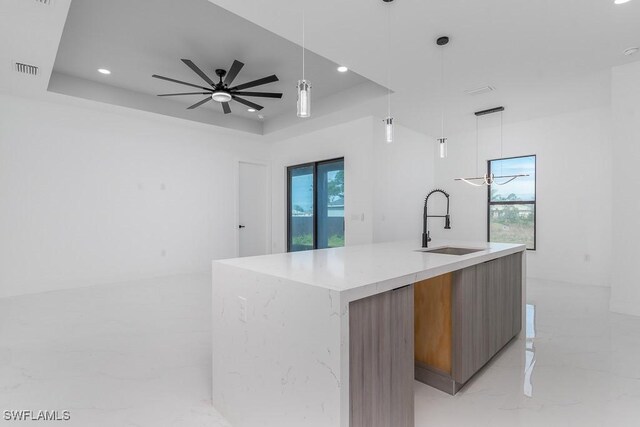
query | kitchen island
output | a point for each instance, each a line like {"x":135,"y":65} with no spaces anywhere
{"x":335,"y":337}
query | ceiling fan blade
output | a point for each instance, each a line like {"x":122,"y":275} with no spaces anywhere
{"x":247,"y":103}
{"x":185,"y":93}
{"x":199,"y":103}
{"x":198,"y":71}
{"x":226,"y":108}
{"x":178,"y":81}
{"x":262,"y":81}
{"x":233,"y":72}
{"x":260,"y":94}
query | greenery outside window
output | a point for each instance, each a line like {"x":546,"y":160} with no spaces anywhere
{"x":511,"y":214}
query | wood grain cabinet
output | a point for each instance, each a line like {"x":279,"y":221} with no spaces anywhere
{"x":381,"y":360}
{"x":464,"y":318}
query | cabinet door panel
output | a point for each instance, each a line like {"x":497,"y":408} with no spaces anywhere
{"x":515,"y":278}
{"x":370,"y":360}
{"x":465,"y":324}
{"x":493,"y":305}
{"x":381,"y":360}
{"x":487,"y":312}
{"x":402,"y":357}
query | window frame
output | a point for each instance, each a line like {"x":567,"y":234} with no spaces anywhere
{"x":505,"y":203}
{"x":315,"y":198}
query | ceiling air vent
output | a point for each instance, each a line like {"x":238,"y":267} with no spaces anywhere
{"x":23,"y":68}
{"x":480,"y":90}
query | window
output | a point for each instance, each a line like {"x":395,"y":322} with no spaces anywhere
{"x":511,"y":212}
{"x":315,"y":205}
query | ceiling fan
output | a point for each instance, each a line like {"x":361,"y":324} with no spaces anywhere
{"x":221,"y":92}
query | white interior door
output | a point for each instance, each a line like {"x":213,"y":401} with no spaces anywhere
{"x":252,"y":215}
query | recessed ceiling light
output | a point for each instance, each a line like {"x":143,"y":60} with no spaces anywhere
{"x":631,"y":51}
{"x":251,"y":110}
{"x":343,"y":69}
{"x":104,"y":71}
{"x":621,"y":1}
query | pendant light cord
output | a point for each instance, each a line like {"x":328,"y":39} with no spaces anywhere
{"x":501,"y":144}
{"x":442,"y":91}
{"x":477,"y":142}
{"x":388,"y":65}
{"x":303,"y":36}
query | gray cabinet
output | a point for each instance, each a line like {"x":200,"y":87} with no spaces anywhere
{"x":381,"y":360}
{"x":487,"y":313}
{"x":484,"y":305}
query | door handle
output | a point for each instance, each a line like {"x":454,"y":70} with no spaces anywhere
{"x":241,"y":226}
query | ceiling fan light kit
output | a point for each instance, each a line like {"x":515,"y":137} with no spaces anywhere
{"x":221,"y":92}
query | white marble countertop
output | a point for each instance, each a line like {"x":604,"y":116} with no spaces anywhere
{"x":352,"y":269}
{"x":281,"y":324}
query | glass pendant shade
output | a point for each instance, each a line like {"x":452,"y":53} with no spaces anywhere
{"x":388,"y":129}
{"x":304,"y":98}
{"x":442,"y":144}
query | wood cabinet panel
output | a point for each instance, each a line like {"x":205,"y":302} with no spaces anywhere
{"x":433,"y":322}
{"x":381,"y":360}
{"x":487,"y":312}
{"x":402,"y":353}
{"x":464,"y":324}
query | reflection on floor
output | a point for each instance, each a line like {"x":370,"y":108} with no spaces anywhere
{"x":530,"y":349}
{"x":138,"y":354}
{"x":579,"y":365}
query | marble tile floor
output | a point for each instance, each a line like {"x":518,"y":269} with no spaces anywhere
{"x":131,"y":354}
{"x":139,"y":354}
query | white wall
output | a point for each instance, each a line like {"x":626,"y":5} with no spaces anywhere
{"x":82,"y":197}
{"x":574,"y":167}
{"x":353,"y":141}
{"x":404,"y":175}
{"x":384,"y":183}
{"x":625,"y":292}
{"x":92,"y":196}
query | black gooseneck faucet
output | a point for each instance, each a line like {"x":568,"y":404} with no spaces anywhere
{"x":425,"y":227}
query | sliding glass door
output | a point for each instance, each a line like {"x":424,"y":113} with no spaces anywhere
{"x":315,"y":217}
{"x":330,"y":197}
{"x":301,"y":208}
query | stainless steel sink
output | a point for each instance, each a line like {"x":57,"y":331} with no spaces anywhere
{"x":450,"y":250}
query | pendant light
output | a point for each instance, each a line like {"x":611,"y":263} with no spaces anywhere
{"x":388,"y":121}
{"x":489,"y":179}
{"x":304,"y":86}
{"x":442,"y":141}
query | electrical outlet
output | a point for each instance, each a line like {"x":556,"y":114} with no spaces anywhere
{"x":243,"y":309}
